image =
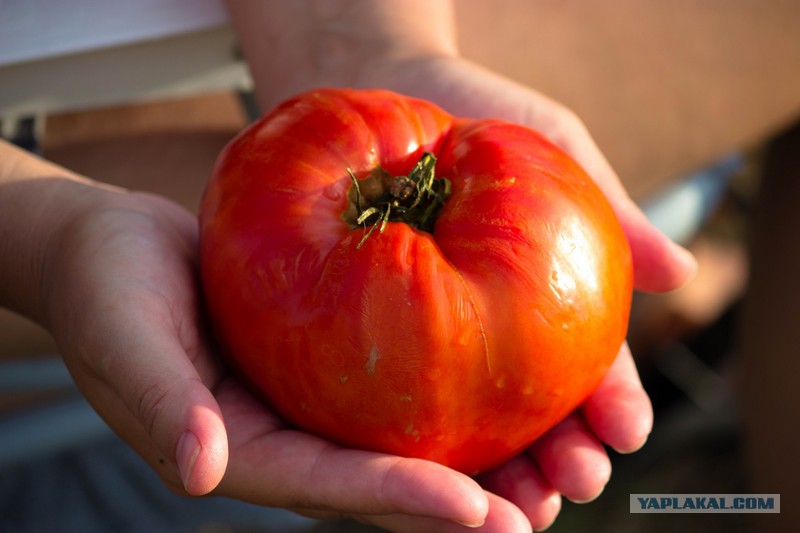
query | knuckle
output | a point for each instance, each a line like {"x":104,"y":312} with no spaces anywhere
{"x":151,"y":403}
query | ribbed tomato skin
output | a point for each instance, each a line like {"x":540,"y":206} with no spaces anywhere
{"x":462,"y":346}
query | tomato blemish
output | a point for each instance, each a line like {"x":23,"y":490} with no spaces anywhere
{"x":374,"y":355}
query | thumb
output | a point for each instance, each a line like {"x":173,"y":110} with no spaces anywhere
{"x":192,"y":429}
{"x":143,"y":384}
{"x":659,"y":264}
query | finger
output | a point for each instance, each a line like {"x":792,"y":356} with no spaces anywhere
{"x":659,"y":264}
{"x":503,"y":517}
{"x":521,"y":482}
{"x":292,"y":469}
{"x":141,"y":381}
{"x":572,"y":460}
{"x":619,"y":411}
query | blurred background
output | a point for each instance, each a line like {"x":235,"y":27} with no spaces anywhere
{"x":694,"y":103}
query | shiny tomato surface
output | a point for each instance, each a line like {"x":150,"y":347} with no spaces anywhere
{"x":461,"y":345}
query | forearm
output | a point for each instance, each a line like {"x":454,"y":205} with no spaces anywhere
{"x":296,"y":45}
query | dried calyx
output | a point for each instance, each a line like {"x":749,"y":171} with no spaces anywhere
{"x":380,"y":198}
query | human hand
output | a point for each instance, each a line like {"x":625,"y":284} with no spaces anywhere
{"x":121,"y":298}
{"x":411,"y":49}
{"x":569,"y":460}
{"x":118,"y":291}
{"x":123,"y":306}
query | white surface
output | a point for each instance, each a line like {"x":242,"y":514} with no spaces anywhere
{"x":37,"y":29}
{"x":58,"y":55}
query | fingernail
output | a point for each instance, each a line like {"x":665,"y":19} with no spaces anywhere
{"x":590,"y":499}
{"x":473,"y":525}
{"x":686,"y":257}
{"x":627,"y":451}
{"x":186,"y":453}
{"x":545,"y":528}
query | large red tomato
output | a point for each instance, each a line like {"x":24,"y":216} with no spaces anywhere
{"x":377,"y":305}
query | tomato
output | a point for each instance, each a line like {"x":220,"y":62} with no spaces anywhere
{"x":460,"y":326}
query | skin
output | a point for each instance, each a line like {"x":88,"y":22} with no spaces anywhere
{"x":111,"y":274}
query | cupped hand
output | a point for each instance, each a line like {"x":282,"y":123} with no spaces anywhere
{"x":569,"y":460}
{"x":125,"y":309}
{"x":124,"y":306}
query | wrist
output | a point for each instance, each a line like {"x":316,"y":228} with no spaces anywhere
{"x":296,"y":46}
{"x":37,"y":200}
